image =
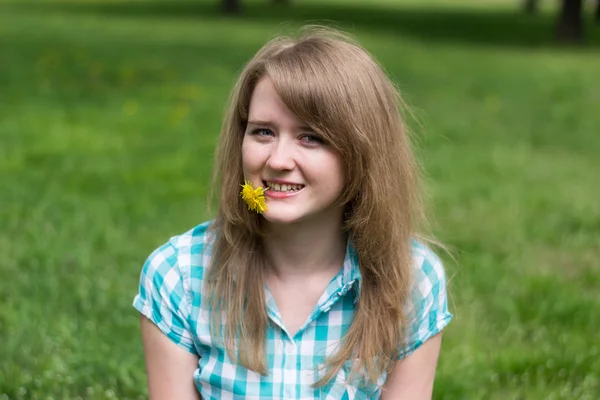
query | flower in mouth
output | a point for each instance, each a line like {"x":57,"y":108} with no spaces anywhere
{"x":254,"y":198}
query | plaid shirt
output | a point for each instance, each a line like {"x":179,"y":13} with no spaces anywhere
{"x":170,"y":294}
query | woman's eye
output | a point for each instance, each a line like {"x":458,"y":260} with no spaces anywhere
{"x":262,"y":132}
{"x":312,"y":139}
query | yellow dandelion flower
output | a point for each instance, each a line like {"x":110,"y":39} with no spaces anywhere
{"x":255,"y":198}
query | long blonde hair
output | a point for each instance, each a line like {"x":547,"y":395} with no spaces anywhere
{"x":334,"y":86}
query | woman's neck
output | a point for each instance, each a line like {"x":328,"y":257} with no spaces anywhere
{"x":305,"y":248}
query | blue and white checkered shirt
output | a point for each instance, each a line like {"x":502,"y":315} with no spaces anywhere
{"x":171,"y":295}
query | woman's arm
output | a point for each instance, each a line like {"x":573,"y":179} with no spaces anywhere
{"x":170,"y":368}
{"x":412,"y":377}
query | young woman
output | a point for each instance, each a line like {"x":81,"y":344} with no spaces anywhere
{"x":321,"y":290}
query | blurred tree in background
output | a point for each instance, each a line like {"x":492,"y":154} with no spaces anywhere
{"x":231,"y":6}
{"x":530,"y":6}
{"x":569,"y":27}
{"x":234,"y":6}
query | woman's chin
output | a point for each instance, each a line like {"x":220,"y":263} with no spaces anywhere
{"x":279,"y":219}
{"x":277,"y":216}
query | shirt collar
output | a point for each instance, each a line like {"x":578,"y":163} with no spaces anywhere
{"x":350,"y":274}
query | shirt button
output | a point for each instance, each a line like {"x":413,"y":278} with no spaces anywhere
{"x":289,"y":348}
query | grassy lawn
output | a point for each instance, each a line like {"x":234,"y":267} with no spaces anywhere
{"x":109,"y":111}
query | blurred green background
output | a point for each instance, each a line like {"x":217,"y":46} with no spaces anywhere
{"x":109,"y":111}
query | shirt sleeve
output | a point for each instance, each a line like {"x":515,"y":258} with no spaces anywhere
{"x":428,"y":309}
{"x":162,"y":297}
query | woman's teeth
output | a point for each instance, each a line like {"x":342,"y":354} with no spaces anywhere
{"x":283,"y":187}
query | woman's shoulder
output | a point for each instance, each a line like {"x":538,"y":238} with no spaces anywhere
{"x":427,"y":310}
{"x":168,"y":288}
{"x":195,"y":241}
{"x":428,"y":268}
{"x":182,"y":253}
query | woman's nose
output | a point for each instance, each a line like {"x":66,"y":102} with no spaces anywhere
{"x":281,"y":156}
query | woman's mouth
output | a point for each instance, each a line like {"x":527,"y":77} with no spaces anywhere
{"x":283,"y":187}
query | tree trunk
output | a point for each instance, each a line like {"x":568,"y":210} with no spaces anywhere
{"x":231,"y":6}
{"x":530,"y":6}
{"x":570,"y":28}
{"x":597,"y":15}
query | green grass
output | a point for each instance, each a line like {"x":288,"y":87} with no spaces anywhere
{"x":108,"y":116}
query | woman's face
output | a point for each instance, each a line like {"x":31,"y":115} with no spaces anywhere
{"x":304,"y":174}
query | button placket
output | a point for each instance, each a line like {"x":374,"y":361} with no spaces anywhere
{"x":290,"y":348}
{"x":289,"y":370}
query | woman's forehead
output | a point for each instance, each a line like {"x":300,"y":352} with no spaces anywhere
{"x":267,"y":108}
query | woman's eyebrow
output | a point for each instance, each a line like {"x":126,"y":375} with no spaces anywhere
{"x":269,"y":124}
{"x":260,"y":123}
